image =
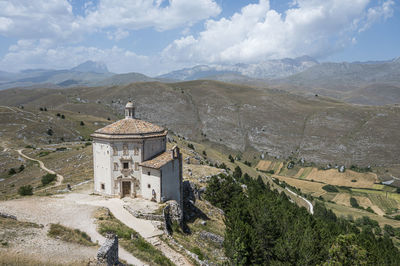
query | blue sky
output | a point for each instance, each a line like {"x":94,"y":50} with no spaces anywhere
{"x":157,"y":36}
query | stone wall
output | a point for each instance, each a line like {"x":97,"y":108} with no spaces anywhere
{"x":145,"y":216}
{"x":108,"y":252}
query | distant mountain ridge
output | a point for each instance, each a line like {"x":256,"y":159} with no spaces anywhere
{"x":269,"y":69}
{"x":91,"y":67}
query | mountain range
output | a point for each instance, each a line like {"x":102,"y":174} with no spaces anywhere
{"x":370,"y":83}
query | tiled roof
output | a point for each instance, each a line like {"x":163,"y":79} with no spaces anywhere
{"x":158,"y":161}
{"x":130,"y":126}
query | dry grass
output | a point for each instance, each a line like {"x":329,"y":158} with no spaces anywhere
{"x":18,"y":259}
{"x":59,"y":231}
{"x":263,"y":165}
{"x":304,"y":185}
{"x":333,"y":177}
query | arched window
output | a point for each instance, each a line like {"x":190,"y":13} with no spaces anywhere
{"x":136,"y":151}
{"x":116,"y":166}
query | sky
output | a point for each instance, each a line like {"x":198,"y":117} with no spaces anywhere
{"x":157,"y":36}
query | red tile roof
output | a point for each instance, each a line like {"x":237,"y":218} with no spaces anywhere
{"x":158,"y":161}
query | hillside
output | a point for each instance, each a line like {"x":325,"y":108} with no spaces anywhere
{"x":241,"y":118}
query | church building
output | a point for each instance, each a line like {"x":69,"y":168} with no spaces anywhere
{"x":130,"y":159}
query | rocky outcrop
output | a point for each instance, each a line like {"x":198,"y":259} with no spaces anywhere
{"x":9,"y":216}
{"x":219,"y":240}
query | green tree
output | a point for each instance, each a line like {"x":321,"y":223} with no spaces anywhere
{"x":346,"y":251}
{"x":231,"y":159}
{"x":237,"y":173}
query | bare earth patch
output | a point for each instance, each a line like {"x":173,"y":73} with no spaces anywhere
{"x":333,"y":177}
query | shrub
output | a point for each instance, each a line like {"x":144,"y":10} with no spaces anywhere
{"x":190,"y":146}
{"x":369,"y":209}
{"x":62,"y":116}
{"x":47,"y":179}
{"x":25,"y":190}
{"x":353,"y":180}
{"x":330,"y":188}
{"x":271,"y":172}
{"x":21,"y":168}
{"x":50,"y":132}
{"x":12,"y":171}
{"x":231,"y":159}
{"x":58,"y":114}
{"x":354,"y":203}
{"x":204,"y":153}
{"x":197,"y":251}
{"x":82,"y":123}
{"x":44,"y":153}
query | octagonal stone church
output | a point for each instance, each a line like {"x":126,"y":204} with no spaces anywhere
{"x":130,"y":159}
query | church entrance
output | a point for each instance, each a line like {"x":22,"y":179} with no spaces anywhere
{"x":126,"y":188}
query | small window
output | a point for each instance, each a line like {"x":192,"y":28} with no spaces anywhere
{"x":136,"y":166}
{"x":115,"y":150}
{"x":148,"y":185}
{"x":103,"y":186}
{"x":115,"y":166}
{"x":126,"y":165}
{"x":148,"y":173}
{"x":136,"y":151}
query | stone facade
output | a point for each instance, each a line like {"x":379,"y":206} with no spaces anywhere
{"x":130,"y":159}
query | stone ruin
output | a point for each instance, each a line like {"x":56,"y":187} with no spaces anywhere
{"x":108,"y":252}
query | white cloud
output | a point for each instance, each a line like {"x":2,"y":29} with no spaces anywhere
{"x":37,"y":19}
{"x":28,"y":54}
{"x":117,"y":35}
{"x":55,"y":19}
{"x":139,"y":14}
{"x":257,"y":32}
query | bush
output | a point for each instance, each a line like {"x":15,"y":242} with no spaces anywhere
{"x":58,"y":114}
{"x":330,"y":188}
{"x":231,"y":159}
{"x":21,"y":168}
{"x":397,"y":217}
{"x":25,"y":190}
{"x":204,"y":153}
{"x":354,"y":203}
{"x":369,"y":209}
{"x":50,"y":132}
{"x":12,"y":171}
{"x":62,"y":116}
{"x":197,"y":251}
{"x":190,"y":146}
{"x":47,"y":179}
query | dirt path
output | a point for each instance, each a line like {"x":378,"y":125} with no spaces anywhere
{"x":76,"y":209}
{"x":68,"y":211}
{"x":310,"y":206}
{"x":60,"y":178}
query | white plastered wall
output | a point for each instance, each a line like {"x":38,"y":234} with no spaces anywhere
{"x":102,"y":167}
{"x":150,"y":182}
{"x":170,"y":183}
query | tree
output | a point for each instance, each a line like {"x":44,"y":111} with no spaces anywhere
{"x":237,"y":173}
{"x":21,"y":168}
{"x":25,"y":190}
{"x":345,"y":251}
{"x":231,"y":159}
{"x":354,"y":203}
{"x":58,"y":114}
{"x":62,"y":116}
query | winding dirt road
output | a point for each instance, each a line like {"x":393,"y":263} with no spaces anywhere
{"x":60,"y":178}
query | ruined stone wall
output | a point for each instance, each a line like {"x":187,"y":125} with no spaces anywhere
{"x":108,"y":252}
